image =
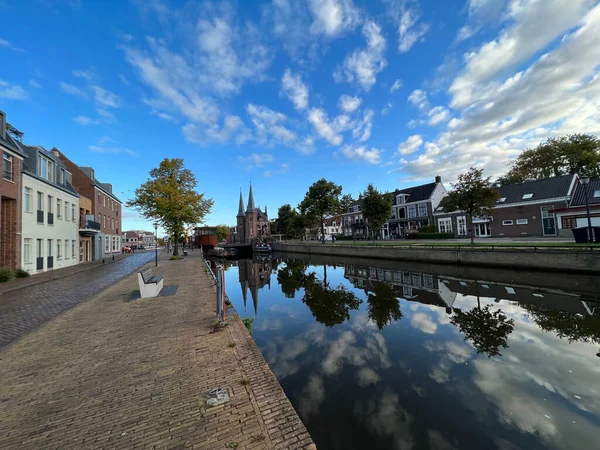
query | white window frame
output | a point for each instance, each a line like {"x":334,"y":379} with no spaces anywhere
{"x":507,"y":222}
{"x":27,"y":247}
{"x":445,"y":225}
{"x":66,"y":249}
{"x":59,"y":249}
{"x":412,"y":211}
{"x":27,"y":199}
{"x":73,"y":249}
{"x":72,"y":212}
{"x":527,"y":196}
{"x":39,"y":198}
{"x":66,"y":210}
{"x":8,"y":166}
{"x":522,"y":221}
{"x":50,"y":203}
{"x":59,"y":209}
{"x":464,"y":231}
{"x":424,"y":207}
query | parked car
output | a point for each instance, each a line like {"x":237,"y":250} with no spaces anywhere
{"x":126,"y":249}
{"x":141,"y":247}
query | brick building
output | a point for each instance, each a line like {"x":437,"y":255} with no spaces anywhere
{"x":253,"y":224}
{"x":106,"y":207}
{"x":88,"y":228}
{"x":11,"y":193}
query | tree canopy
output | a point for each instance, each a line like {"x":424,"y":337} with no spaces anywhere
{"x":222,"y":232}
{"x":169,"y":197}
{"x":574,"y":153}
{"x":383,"y":305}
{"x":376,"y":208}
{"x":473,"y":194}
{"x":567,"y":325}
{"x":322,"y":199}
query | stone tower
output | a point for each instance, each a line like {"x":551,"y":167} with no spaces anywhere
{"x":241,"y":221}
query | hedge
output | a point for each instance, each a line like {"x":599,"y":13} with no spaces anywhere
{"x":434,"y":236}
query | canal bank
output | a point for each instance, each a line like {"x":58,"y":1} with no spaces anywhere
{"x":584,"y":260}
{"x":112,"y":373}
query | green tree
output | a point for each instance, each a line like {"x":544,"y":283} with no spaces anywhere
{"x":567,"y":325}
{"x":472,"y":194}
{"x":291,"y":278}
{"x":383,"y":305}
{"x":285,"y":218}
{"x":346,"y":202}
{"x":574,"y":153}
{"x":169,"y":197}
{"x":488,"y":330}
{"x":376,"y":208}
{"x":222,"y":232}
{"x":321,"y":200}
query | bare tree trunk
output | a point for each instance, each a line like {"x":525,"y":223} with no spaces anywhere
{"x":472,"y":231}
{"x":322,"y":229}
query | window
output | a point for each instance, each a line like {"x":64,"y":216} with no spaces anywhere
{"x":27,"y":199}
{"x":527,"y":196}
{"x":597,"y":193}
{"x":49,"y":248}
{"x":412,"y":211}
{"x":73,"y":249}
{"x":507,"y":222}
{"x":50,"y":203}
{"x":422,"y":209}
{"x":355,"y":208}
{"x":72,"y":212}
{"x":62,"y":176}
{"x":99,"y":198}
{"x":104,"y":222}
{"x":461,"y":223}
{"x":58,"y":249}
{"x":7,"y":167}
{"x":445,"y":225}
{"x":522,"y":221}
{"x":502,"y":200}
{"x":104,"y":201}
{"x":107,"y":240}
{"x":40,"y":201}
{"x":113,"y":224}
{"x":66,"y":210}
{"x":27,"y":243}
{"x":46,"y":168}
{"x":66,"y":249}
{"x":59,"y":208}
{"x":39,"y":251}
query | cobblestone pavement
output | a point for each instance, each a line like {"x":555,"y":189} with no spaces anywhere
{"x":23,"y":310}
{"x":130,"y":375}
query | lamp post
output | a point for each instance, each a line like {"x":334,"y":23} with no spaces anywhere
{"x":585,"y":181}
{"x":155,"y":244}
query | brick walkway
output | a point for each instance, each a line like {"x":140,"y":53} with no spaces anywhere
{"x":25,"y":309}
{"x":127,"y":375}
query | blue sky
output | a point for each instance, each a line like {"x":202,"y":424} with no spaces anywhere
{"x":285,"y":92}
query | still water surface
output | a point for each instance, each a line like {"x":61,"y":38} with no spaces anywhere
{"x":380,"y":358}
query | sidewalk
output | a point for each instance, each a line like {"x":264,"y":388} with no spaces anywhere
{"x":128,"y":375}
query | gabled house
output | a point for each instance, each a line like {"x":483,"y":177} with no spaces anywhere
{"x":414,"y":207}
{"x":575,"y":216}
{"x":353,"y":222}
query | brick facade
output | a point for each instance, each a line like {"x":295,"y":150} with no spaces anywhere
{"x":502,"y":226}
{"x":10,"y":215}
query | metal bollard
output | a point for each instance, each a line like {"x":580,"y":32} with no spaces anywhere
{"x":219,"y":276}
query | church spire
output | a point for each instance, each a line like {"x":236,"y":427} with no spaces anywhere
{"x":251,"y":206}
{"x":241,"y":208}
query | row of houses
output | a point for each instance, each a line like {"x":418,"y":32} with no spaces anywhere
{"x":548,"y":207}
{"x":53,"y":212}
{"x":139,"y":238}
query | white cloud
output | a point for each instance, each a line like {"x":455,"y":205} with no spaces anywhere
{"x":410,"y":31}
{"x":363,"y":65}
{"x":4,"y":43}
{"x":283,"y":168}
{"x":12,"y":91}
{"x":438,"y":115}
{"x":348,"y":103}
{"x":418,"y":98}
{"x":362,"y":132}
{"x":124,"y":79}
{"x":232,"y":126}
{"x":333,"y":17}
{"x":424,"y":323}
{"x":34,"y":83}
{"x":295,"y":89}
{"x":256,"y":160}
{"x":88,"y":75}
{"x":112,"y":150}
{"x":73,"y":90}
{"x":386,"y":109}
{"x":327,"y":130}
{"x":105,"y":98}
{"x":481,"y":13}
{"x":362,"y":153}
{"x":411,"y":145}
{"x":397,"y":85}
{"x":269,"y":123}
{"x":85,"y":120}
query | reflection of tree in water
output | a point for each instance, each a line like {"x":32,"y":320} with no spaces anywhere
{"x":291,"y":278}
{"x":330,"y":306}
{"x":573,"y":326}
{"x":488,"y":330}
{"x":384,"y":307}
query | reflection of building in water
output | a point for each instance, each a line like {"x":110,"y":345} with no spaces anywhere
{"x":254,"y":274}
{"x":413,"y":286}
{"x":442,"y":291}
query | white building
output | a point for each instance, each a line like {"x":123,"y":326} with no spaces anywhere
{"x":50,"y":229}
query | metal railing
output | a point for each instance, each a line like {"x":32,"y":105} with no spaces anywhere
{"x":7,"y":175}
{"x":222,"y":300}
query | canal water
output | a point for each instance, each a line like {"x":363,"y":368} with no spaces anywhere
{"x":377,"y":355}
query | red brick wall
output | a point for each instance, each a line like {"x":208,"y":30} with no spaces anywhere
{"x":10,"y":217}
{"x":533,"y":214}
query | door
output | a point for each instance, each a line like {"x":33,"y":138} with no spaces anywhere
{"x":548,"y":221}
{"x":482,"y":229}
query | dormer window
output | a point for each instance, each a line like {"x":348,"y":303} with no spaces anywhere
{"x":502,"y":200}
{"x":355,"y":208}
{"x":527,"y":196}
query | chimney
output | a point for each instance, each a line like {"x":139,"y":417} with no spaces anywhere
{"x":2,"y":125}
{"x":438,"y":179}
{"x":109,"y":187}
{"x":55,"y":152}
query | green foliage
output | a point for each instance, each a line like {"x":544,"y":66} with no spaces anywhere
{"x":488,"y":330}
{"x":222,"y":232}
{"x":567,"y":325}
{"x":291,"y":278}
{"x":175,"y":258}
{"x":376,"y":208}
{"x":20,"y":273}
{"x":576,"y":153}
{"x":346,"y":202}
{"x":285,"y":219}
{"x":472,"y":194}
{"x":248,"y":321}
{"x":322,"y":199}
{"x":383,"y":305}
{"x":169,"y":197}
{"x":433,"y":236}
{"x":427,"y":229}
{"x":6,"y":274}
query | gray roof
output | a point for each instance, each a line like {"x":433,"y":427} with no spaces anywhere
{"x":416,"y":193}
{"x":30,"y":167}
{"x":579,"y":195}
{"x":11,"y":144}
{"x":548,"y":188}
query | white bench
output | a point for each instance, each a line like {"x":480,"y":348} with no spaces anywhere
{"x":150,"y":285}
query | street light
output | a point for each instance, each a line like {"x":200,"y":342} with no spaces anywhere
{"x":155,"y":244}
{"x":585,"y":181}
